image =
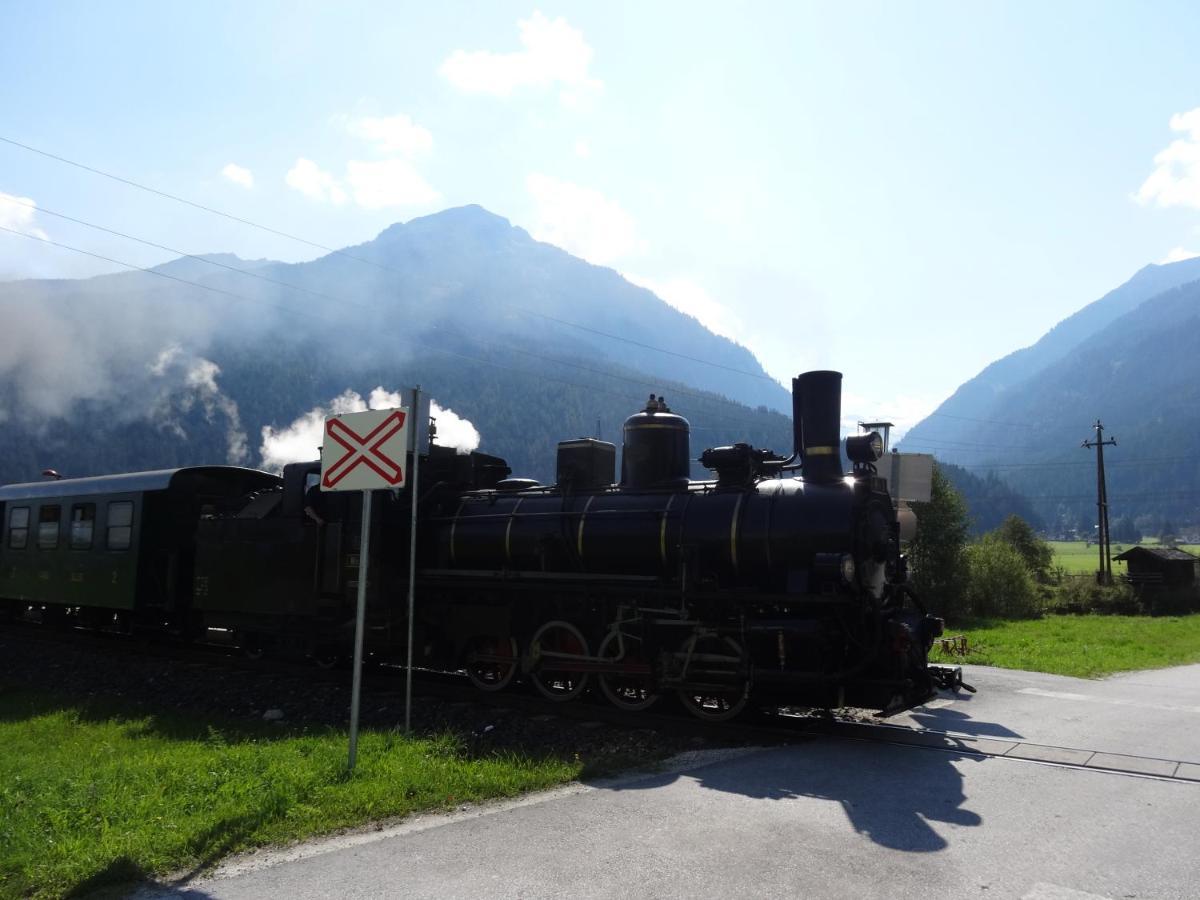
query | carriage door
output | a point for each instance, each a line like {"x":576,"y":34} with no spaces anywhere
{"x":325,"y":508}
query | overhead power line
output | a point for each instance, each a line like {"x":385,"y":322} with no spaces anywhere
{"x":956,"y":445}
{"x":370,"y":262}
{"x":983,"y":421}
{"x":291,"y":310}
{"x":1136,"y":462}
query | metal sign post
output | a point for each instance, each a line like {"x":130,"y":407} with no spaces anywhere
{"x":364,"y":452}
{"x":360,"y":620}
{"x":412,"y":563}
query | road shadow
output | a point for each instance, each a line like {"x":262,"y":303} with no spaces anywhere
{"x":890,"y":795}
{"x":954,"y":719}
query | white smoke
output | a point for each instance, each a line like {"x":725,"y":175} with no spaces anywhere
{"x":184,"y":380}
{"x":63,"y":343}
{"x":453,"y":430}
{"x":301,"y":441}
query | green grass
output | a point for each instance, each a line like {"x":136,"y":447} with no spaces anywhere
{"x":1083,"y":646}
{"x":1076,"y":558}
{"x":92,"y":794}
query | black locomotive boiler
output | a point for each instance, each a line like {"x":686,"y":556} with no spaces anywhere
{"x":755,"y":583}
{"x":779,"y":580}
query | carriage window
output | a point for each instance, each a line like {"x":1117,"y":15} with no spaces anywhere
{"x":48,"y":527}
{"x":18,"y":527}
{"x":83,"y":521}
{"x":120,"y":525}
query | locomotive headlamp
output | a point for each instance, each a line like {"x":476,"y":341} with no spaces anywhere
{"x":864,"y":448}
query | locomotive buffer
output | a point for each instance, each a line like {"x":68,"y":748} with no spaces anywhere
{"x":367,"y":451}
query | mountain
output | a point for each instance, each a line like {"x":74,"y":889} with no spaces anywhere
{"x":989,"y":499}
{"x":191,"y":361}
{"x":1128,"y":359}
{"x":201,"y":266}
{"x":976,"y":399}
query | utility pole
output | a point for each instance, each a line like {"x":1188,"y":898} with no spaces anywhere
{"x":1104,"y":576}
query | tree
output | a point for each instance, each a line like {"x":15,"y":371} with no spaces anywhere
{"x":999,"y":582}
{"x":1019,"y":534}
{"x":1126,"y":531}
{"x":1166,"y":536}
{"x":936,"y":552}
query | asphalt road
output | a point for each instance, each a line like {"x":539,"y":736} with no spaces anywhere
{"x":830,"y":818}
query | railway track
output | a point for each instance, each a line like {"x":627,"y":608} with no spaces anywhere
{"x":385,"y":683}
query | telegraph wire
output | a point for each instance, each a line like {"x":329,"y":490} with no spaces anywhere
{"x":201,"y":259}
{"x":336,"y":252}
{"x":291,"y":310}
{"x":983,"y":421}
{"x":327,"y":297}
{"x":1136,"y":461}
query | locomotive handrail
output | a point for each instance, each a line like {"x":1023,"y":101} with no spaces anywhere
{"x":547,"y":515}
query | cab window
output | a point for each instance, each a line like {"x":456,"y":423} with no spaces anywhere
{"x":48,"y":527}
{"x":120,"y":525}
{"x":83,"y":521}
{"x":18,"y":527}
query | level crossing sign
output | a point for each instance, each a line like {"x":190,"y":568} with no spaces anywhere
{"x":369,"y":451}
{"x":365,"y":451}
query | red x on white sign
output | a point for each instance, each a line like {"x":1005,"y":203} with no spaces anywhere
{"x":365,"y":451}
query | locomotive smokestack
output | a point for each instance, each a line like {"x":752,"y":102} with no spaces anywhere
{"x":816,"y":424}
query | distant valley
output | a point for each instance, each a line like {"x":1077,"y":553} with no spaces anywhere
{"x":201,"y":359}
{"x":1131,"y":359}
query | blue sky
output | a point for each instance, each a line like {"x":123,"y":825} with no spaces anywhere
{"x":901,"y":191}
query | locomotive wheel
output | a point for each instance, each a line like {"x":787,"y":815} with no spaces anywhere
{"x":57,"y":617}
{"x":491,"y":661}
{"x":551,"y":644}
{"x":328,"y":657}
{"x":713,"y":704}
{"x":630,"y":692}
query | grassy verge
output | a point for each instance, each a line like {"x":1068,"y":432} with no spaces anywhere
{"x":92,"y":794}
{"x":1083,"y":646}
{"x":1077,"y":558}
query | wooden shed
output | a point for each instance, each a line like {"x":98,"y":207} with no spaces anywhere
{"x":1167,"y":566}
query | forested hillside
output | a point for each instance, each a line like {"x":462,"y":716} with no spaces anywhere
{"x":189,"y":364}
{"x":989,"y":500}
{"x":1138,"y":372}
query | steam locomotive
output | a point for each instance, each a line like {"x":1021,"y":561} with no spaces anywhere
{"x":758,"y":584}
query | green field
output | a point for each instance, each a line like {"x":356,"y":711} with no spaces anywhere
{"x":94,"y":794}
{"x":1077,"y":558}
{"x":1083,"y":646}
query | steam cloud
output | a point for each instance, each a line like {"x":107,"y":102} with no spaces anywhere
{"x":301,"y":440}
{"x":187,"y":380}
{"x":100,"y":341}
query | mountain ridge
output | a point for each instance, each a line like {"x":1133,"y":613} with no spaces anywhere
{"x":1138,"y":372}
{"x":134,"y":369}
{"x":974,"y":396}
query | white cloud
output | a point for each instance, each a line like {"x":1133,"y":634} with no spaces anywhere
{"x":581,"y":220}
{"x":309,"y":179}
{"x":392,"y":134}
{"x":554,"y":54}
{"x":902,"y":410}
{"x":18,"y":213}
{"x":373,"y":185}
{"x":239,"y":175}
{"x":1179,"y":254}
{"x":691,"y":298}
{"x":1176,"y":179}
{"x":583,"y":149}
{"x":301,"y":441}
{"x":387,"y":182}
